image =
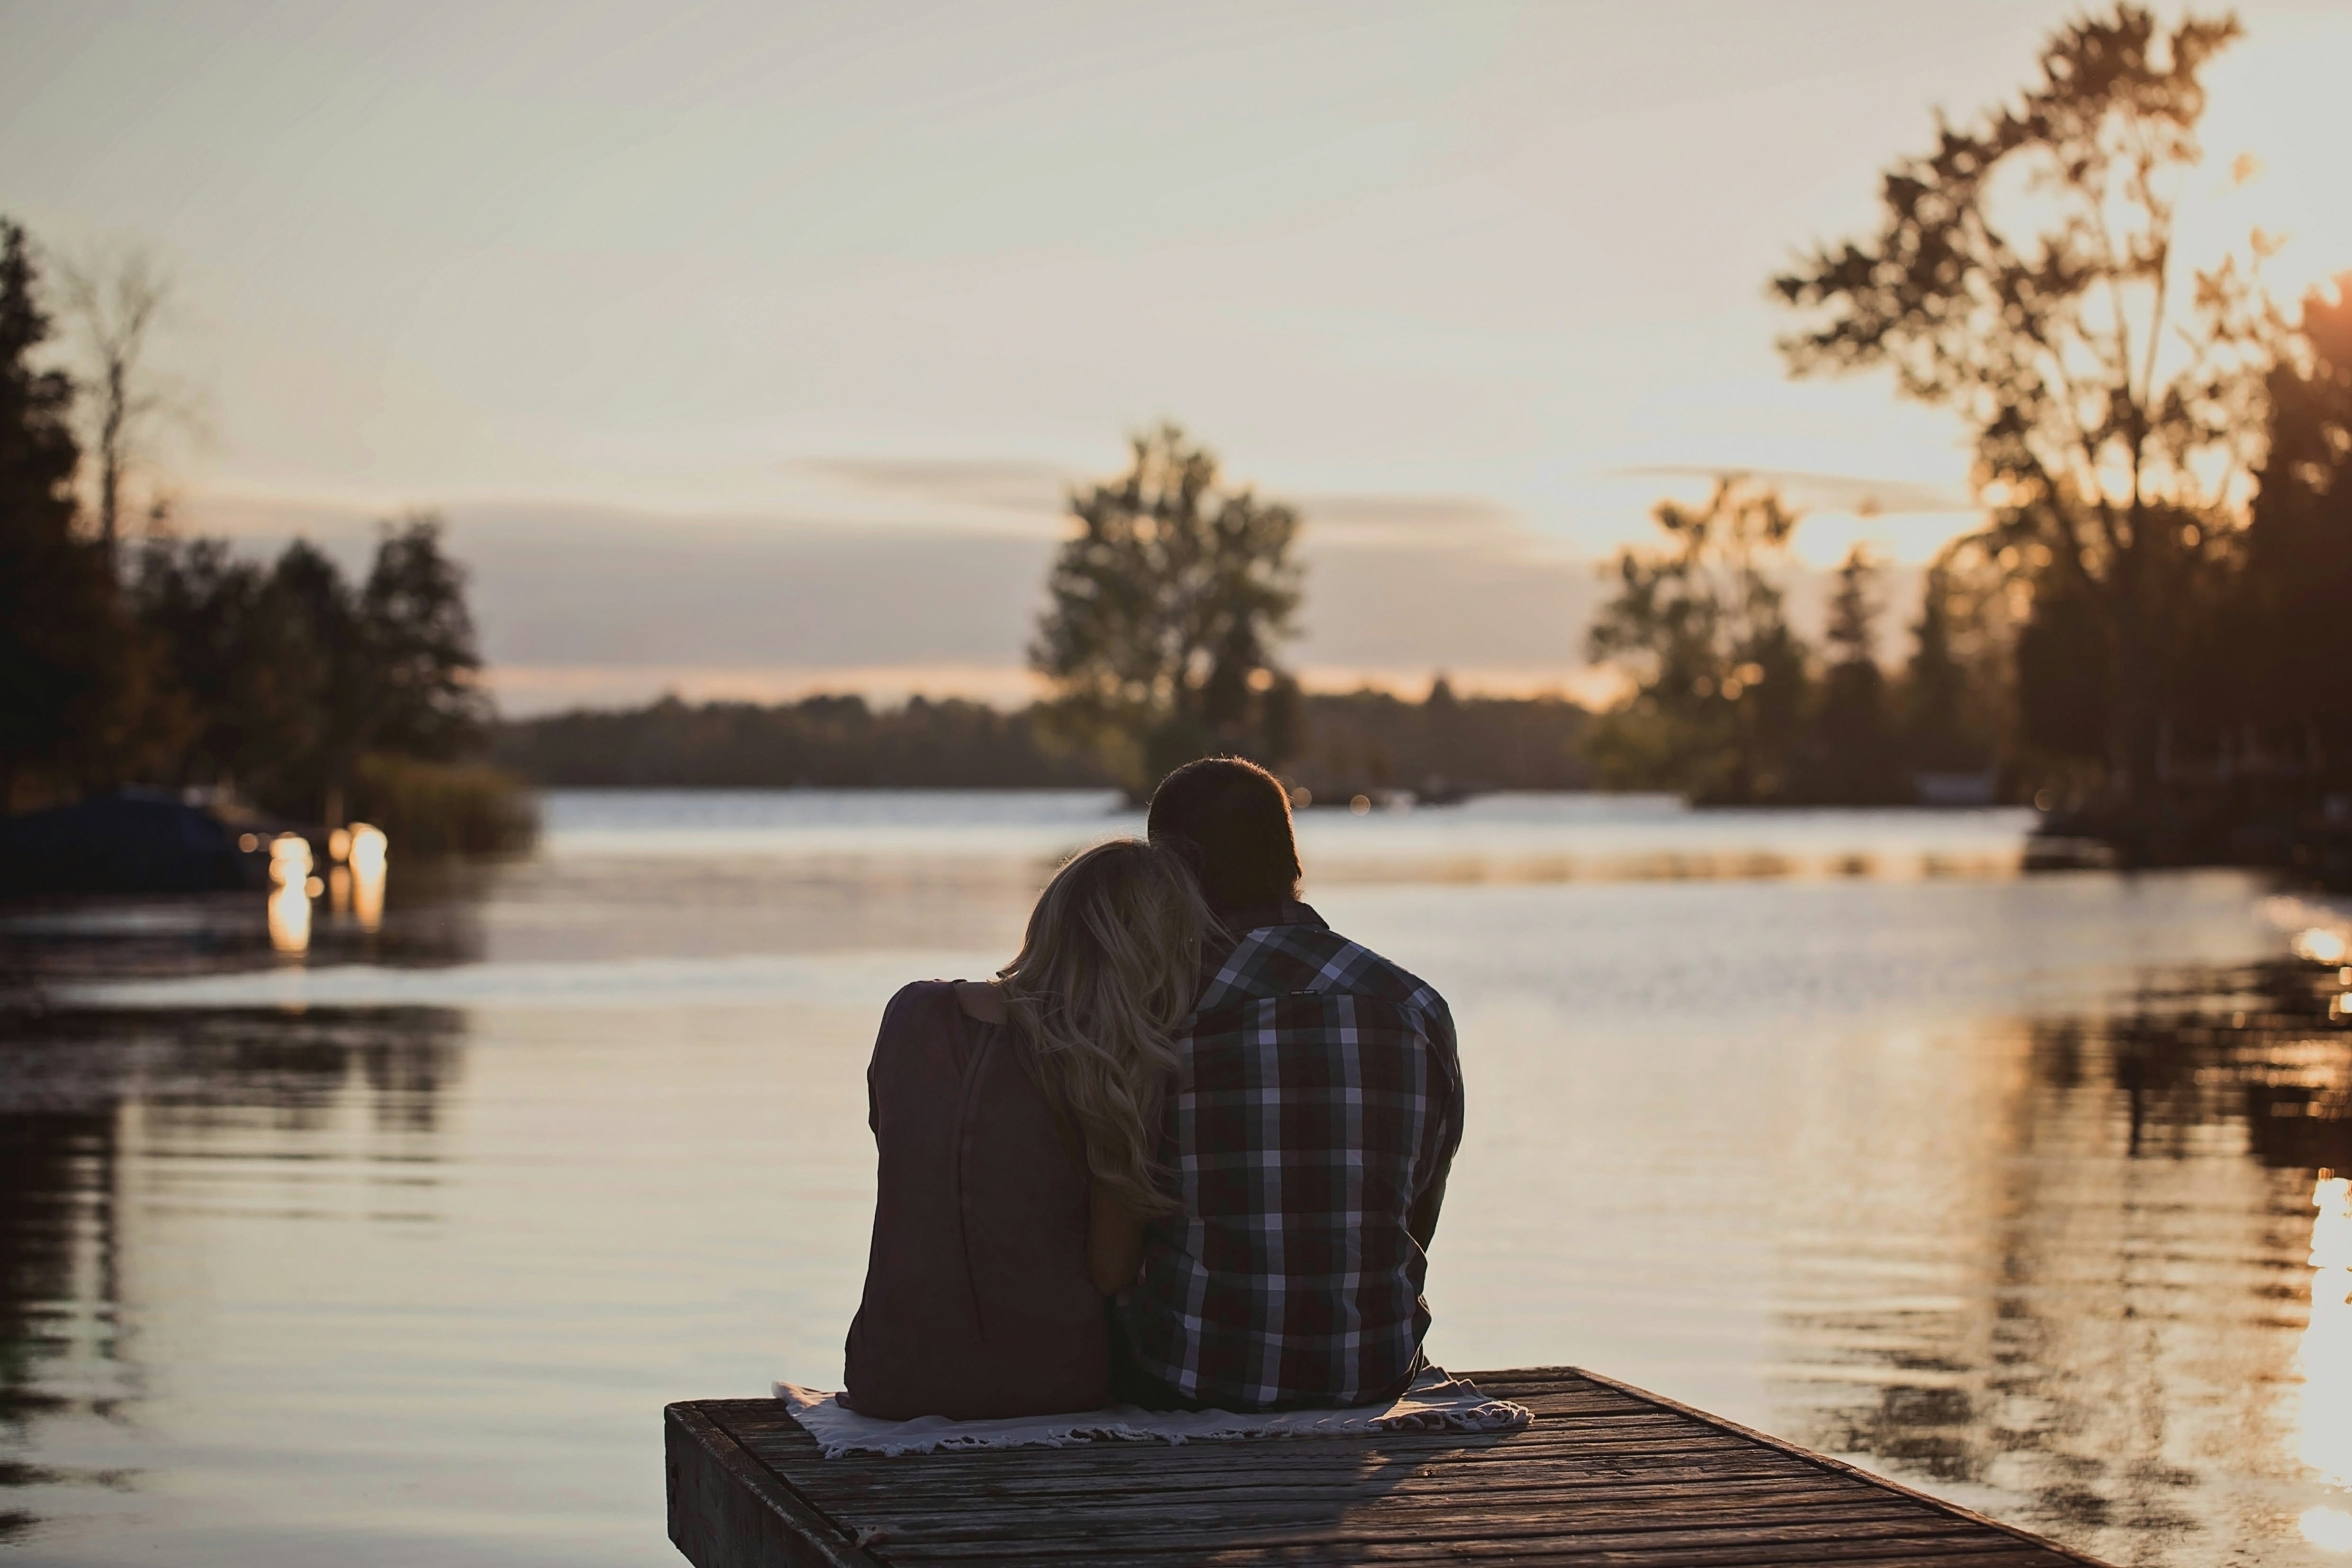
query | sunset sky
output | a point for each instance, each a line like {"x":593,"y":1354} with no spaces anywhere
{"x":749,"y":347}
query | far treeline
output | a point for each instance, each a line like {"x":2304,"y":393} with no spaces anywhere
{"x":1366,"y":742}
{"x":281,"y":691}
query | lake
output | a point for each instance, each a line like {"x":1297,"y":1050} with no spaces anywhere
{"x":380,"y":1235}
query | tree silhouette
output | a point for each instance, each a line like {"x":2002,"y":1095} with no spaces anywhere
{"x":417,"y":642}
{"x":2025,"y":275}
{"x":1949,"y":720}
{"x":2296,"y":606}
{"x":294,"y":677}
{"x":114,"y":303}
{"x":1852,"y":756}
{"x":1164,"y":612}
{"x":1702,"y":629}
{"x":70,"y":675}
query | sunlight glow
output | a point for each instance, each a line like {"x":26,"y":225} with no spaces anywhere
{"x":2274,"y":141}
{"x":289,"y":859}
{"x":2318,"y":945}
{"x":369,"y":849}
{"x":2326,"y":1359}
{"x":289,"y":918}
{"x":2329,"y":1528}
{"x":292,"y":889}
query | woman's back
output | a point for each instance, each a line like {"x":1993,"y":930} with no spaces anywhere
{"x":978,"y":1302}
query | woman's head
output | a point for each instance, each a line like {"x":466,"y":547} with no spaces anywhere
{"x":1108,"y":970}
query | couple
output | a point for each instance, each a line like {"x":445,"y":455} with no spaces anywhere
{"x":1185,"y":1152}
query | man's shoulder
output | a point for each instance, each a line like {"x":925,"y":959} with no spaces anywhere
{"x":1300,"y":959}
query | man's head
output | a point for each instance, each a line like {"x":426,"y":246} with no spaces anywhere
{"x":1230,"y":820}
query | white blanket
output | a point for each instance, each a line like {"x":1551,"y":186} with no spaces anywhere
{"x":1435,"y":1403}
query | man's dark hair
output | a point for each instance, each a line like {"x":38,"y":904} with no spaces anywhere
{"x":1230,"y":820}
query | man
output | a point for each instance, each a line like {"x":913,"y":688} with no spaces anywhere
{"x":1315,"y":1109}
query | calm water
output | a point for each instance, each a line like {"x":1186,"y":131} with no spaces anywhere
{"x":388,"y":1250}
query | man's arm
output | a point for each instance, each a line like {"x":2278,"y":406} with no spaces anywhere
{"x":1422,"y":1222}
{"x":1439,"y":1041}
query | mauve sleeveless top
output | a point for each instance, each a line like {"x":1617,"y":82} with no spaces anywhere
{"x":978,"y":1303}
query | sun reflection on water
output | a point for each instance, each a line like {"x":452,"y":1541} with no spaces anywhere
{"x":354,"y":885}
{"x":292,"y":887}
{"x":365,"y":853}
{"x":2320,"y":945}
{"x":2327,"y":1360}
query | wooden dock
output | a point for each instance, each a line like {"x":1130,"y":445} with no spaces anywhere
{"x":1607,"y":1474}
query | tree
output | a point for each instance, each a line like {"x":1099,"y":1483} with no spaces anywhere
{"x":295,"y":678}
{"x":70,"y":675}
{"x":1164,"y":612}
{"x":1934,"y":685}
{"x":246,"y":660}
{"x":2295,"y":612}
{"x":306,"y":605}
{"x":2026,"y":277}
{"x":1851,"y":757}
{"x":1936,"y":721}
{"x":115,"y":302}
{"x":417,"y":637}
{"x":1701,"y":628}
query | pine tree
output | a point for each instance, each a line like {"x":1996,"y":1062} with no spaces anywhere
{"x":1935,"y":687}
{"x":1850,"y":758}
{"x":69,"y":660}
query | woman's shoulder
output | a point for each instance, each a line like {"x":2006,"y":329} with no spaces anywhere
{"x":982,"y":999}
{"x":925,"y":1004}
{"x":916,"y":1001}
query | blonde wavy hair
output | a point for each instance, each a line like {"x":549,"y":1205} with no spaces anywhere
{"x":1108,"y":970}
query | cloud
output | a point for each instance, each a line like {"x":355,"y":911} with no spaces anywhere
{"x":1827,"y":492}
{"x":1028,"y":488}
{"x":1409,"y":521}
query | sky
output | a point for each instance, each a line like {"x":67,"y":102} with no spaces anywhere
{"x":751,"y":348}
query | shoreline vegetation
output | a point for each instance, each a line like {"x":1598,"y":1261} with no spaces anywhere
{"x":172,"y":682}
{"x":1366,"y":743}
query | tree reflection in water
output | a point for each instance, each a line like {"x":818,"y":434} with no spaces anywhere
{"x":2122,"y":1413}
{"x":77,"y":1090}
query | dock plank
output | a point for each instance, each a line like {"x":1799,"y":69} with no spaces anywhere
{"x":1607,"y":1474}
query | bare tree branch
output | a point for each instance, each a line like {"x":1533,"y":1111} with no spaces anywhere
{"x":114,"y":301}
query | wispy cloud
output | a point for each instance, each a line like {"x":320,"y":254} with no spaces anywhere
{"x":1028,"y":488}
{"x":1411,"y":521}
{"x":1826,"y":492}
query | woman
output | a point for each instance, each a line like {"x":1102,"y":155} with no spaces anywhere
{"x":1015,"y":1121}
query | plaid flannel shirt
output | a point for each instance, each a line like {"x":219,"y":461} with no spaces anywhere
{"x":1317,"y":1102}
